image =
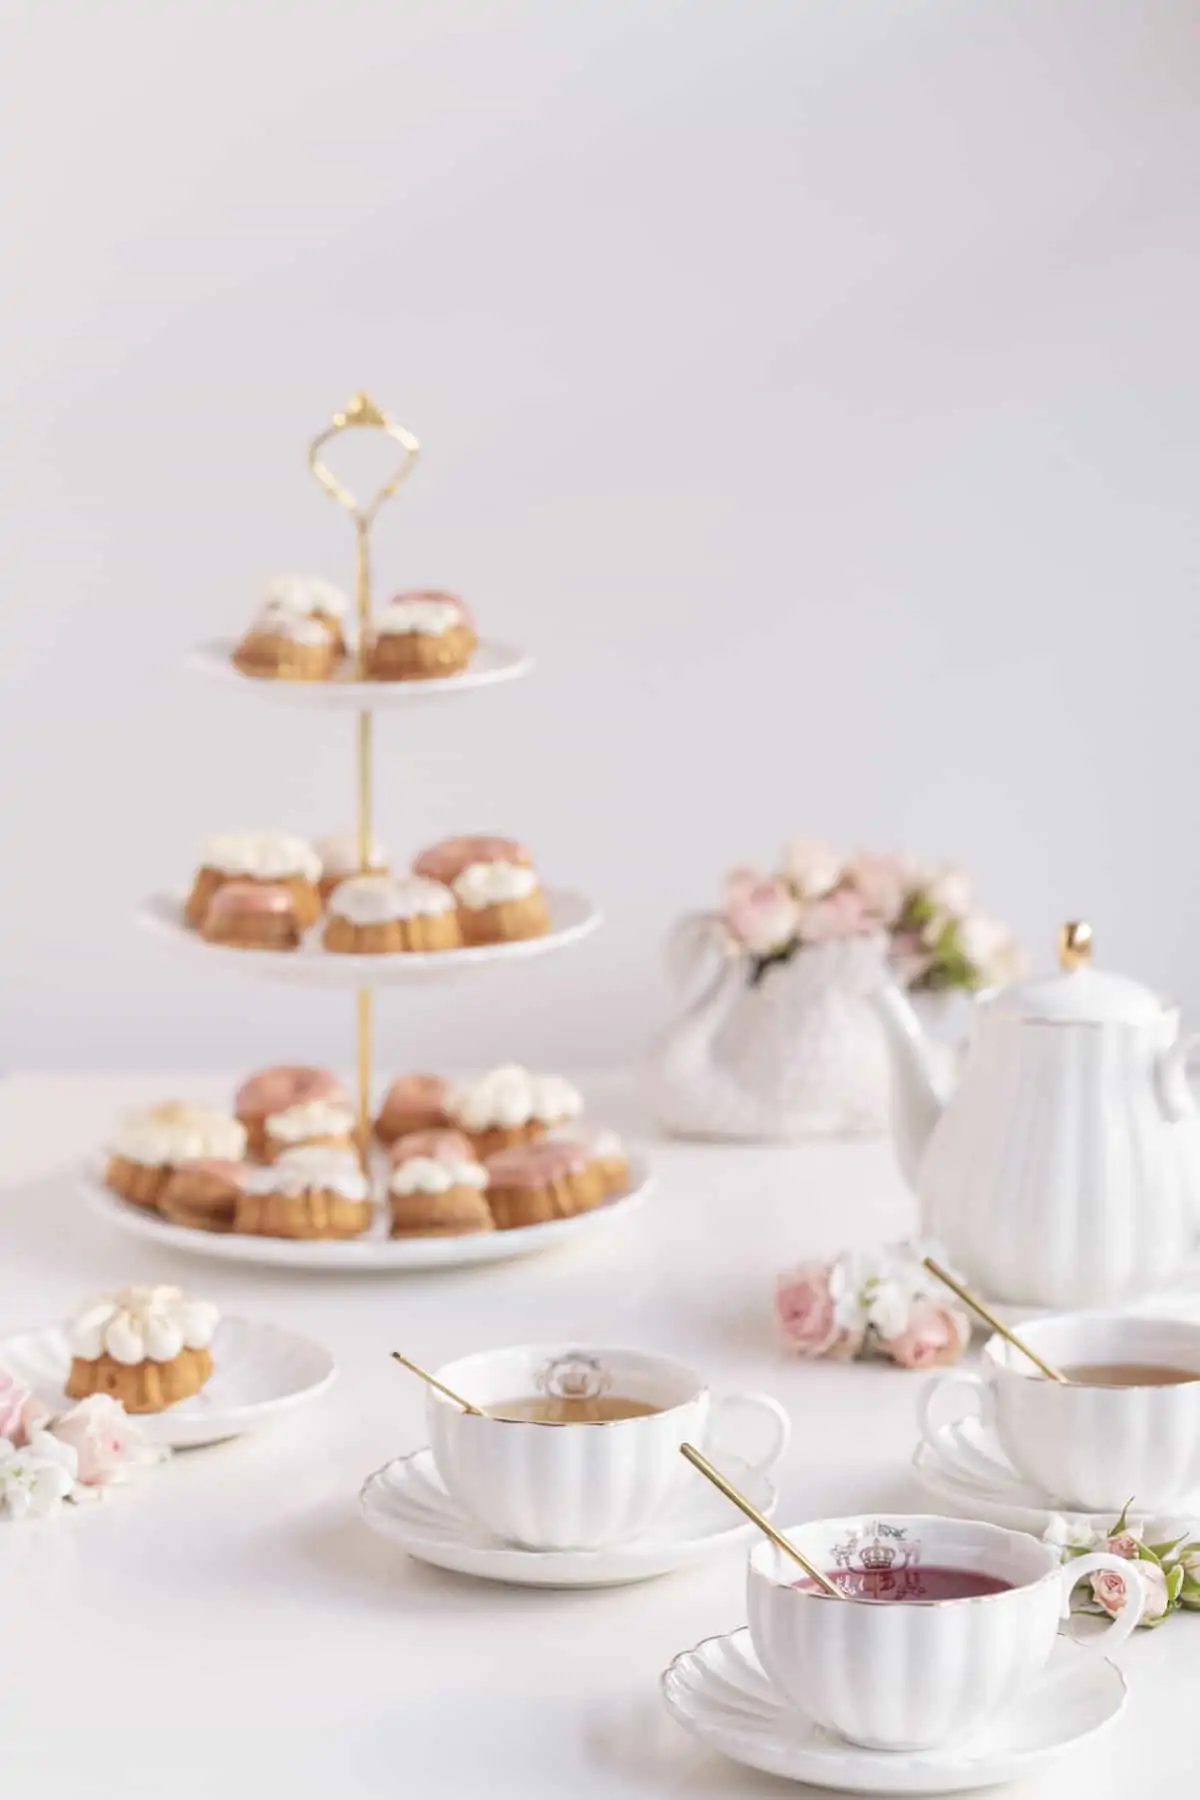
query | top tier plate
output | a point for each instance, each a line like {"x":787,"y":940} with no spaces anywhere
{"x":491,"y":664}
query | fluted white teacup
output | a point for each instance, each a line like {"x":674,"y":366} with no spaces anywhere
{"x":1090,"y":1447}
{"x":582,"y":1486}
{"x":910,"y":1674}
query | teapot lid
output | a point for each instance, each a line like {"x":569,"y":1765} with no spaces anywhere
{"x":1079,"y":994}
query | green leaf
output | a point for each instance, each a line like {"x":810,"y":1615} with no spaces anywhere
{"x":1190,"y":1602}
{"x":1146,"y":1553}
{"x":1165,"y":1552}
{"x":917,"y":910}
{"x":1174,"y":1585}
{"x":1122,"y":1523}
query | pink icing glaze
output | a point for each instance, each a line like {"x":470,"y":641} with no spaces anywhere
{"x":444,"y":1146}
{"x":412,"y":1092}
{"x":447,"y":599}
{"x":291,"y":1084}
{"x":445,"y":861}
{"x":264,"y":897}
{"x":218,"y":1166}
{"x":529,"y":1165}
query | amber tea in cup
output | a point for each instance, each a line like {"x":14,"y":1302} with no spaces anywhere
{"x":1127,"y":1374}
{"x":564,"y":1409}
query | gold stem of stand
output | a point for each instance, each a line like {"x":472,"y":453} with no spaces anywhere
{"x":362,"y":412}
{"x":364,"y":1011}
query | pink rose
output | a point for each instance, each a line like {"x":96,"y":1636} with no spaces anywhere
{"x":1110,"y":1590}
{"x":20,"y":1409}
{"x":882,"y":884}
{"x":811,"y":867}
{"x":807,"y":1314}
{"x":934,"y":1336}
{"x":841,"y":915}
{"x":1124,"y":1544}
{"x":104,"y":1438}
{"x":760,"y":912}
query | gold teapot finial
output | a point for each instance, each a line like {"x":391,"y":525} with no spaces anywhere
{"x":1074,"y":944}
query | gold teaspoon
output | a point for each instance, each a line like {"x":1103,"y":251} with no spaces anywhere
{"x":989,"y":1318}
{"x":764,"y":1525}
{"x":416,"y":1369}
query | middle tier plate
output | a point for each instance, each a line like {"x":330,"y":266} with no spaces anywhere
{"x":571,"y":918}
{"x":373,"y":1250}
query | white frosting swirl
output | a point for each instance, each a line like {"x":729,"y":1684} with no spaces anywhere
{"x":373,"y":899}
{"x":416,"y":614}
{"x":264,"y":855}
{"x":485,"y":883}
{"x":174,"y":1132}
{"x":431,"y":1175}
{"x":273,"y":621}
{"x":333,"y":1173}
{"x":310,"y":1119}
{"x":338,"y":853}
{"x":512,"y":1096}
{"x":319,"y":1159}
{"x":142,"y":1324}
{"x":304,"y":595}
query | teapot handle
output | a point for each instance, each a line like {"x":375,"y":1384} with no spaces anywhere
{"x":1175,"y":1096}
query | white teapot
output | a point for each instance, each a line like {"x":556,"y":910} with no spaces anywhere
{"x":1064,"y":1167}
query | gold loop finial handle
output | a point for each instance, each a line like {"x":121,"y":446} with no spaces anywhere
{"x":362,"y":411}
{"x":1074,"y":944}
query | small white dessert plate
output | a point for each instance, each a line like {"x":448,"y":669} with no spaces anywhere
{"x":969,"y":1474}
{"x":406,"y":1502}
{"x":571,"y":918}
{"x":491,"y":664}
{"x":719,"y":1694}
{"x":259,"y":1373}
{"x":374,"y":1249}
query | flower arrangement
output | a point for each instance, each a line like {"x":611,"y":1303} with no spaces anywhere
{"x":46,"y":1458}
{"x":1169,"y":1572}
{"x":937,"y":940}
{"x":881,"y":1304}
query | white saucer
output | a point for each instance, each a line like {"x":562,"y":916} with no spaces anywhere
{"x":374,"y":1249}
{"x":259,"y":1372}
{"x":719,"y":1694}
{"x":971,"y":1477}
{"x":491,"y":663}
{"x":405,"y":1501}
{"x":571,"y":918}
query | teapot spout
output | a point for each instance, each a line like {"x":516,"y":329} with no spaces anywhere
{"x":917,"y":1097}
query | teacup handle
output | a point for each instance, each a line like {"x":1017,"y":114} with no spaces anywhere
{"x":1126,"y":1620}
{"x":976,"y":1399}
{"x":766,"y":1412}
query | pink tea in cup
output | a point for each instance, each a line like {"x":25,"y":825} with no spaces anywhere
{"x":912,"y":1583}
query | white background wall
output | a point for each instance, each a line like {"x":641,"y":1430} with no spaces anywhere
{"x":812,"y":384}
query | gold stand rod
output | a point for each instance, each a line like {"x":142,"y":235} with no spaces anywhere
{"x":362,"y":412}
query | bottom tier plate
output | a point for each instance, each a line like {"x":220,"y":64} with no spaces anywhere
{"x":373,"y":1250}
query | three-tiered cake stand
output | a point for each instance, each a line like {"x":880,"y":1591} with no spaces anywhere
{"x":571,"y":918}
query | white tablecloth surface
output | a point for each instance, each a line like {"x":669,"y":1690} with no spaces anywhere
{"x":230,"y":1626}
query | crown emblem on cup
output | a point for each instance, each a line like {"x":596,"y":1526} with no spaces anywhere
{"x":877,"y":1556}
{"x":575,"y":1377}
